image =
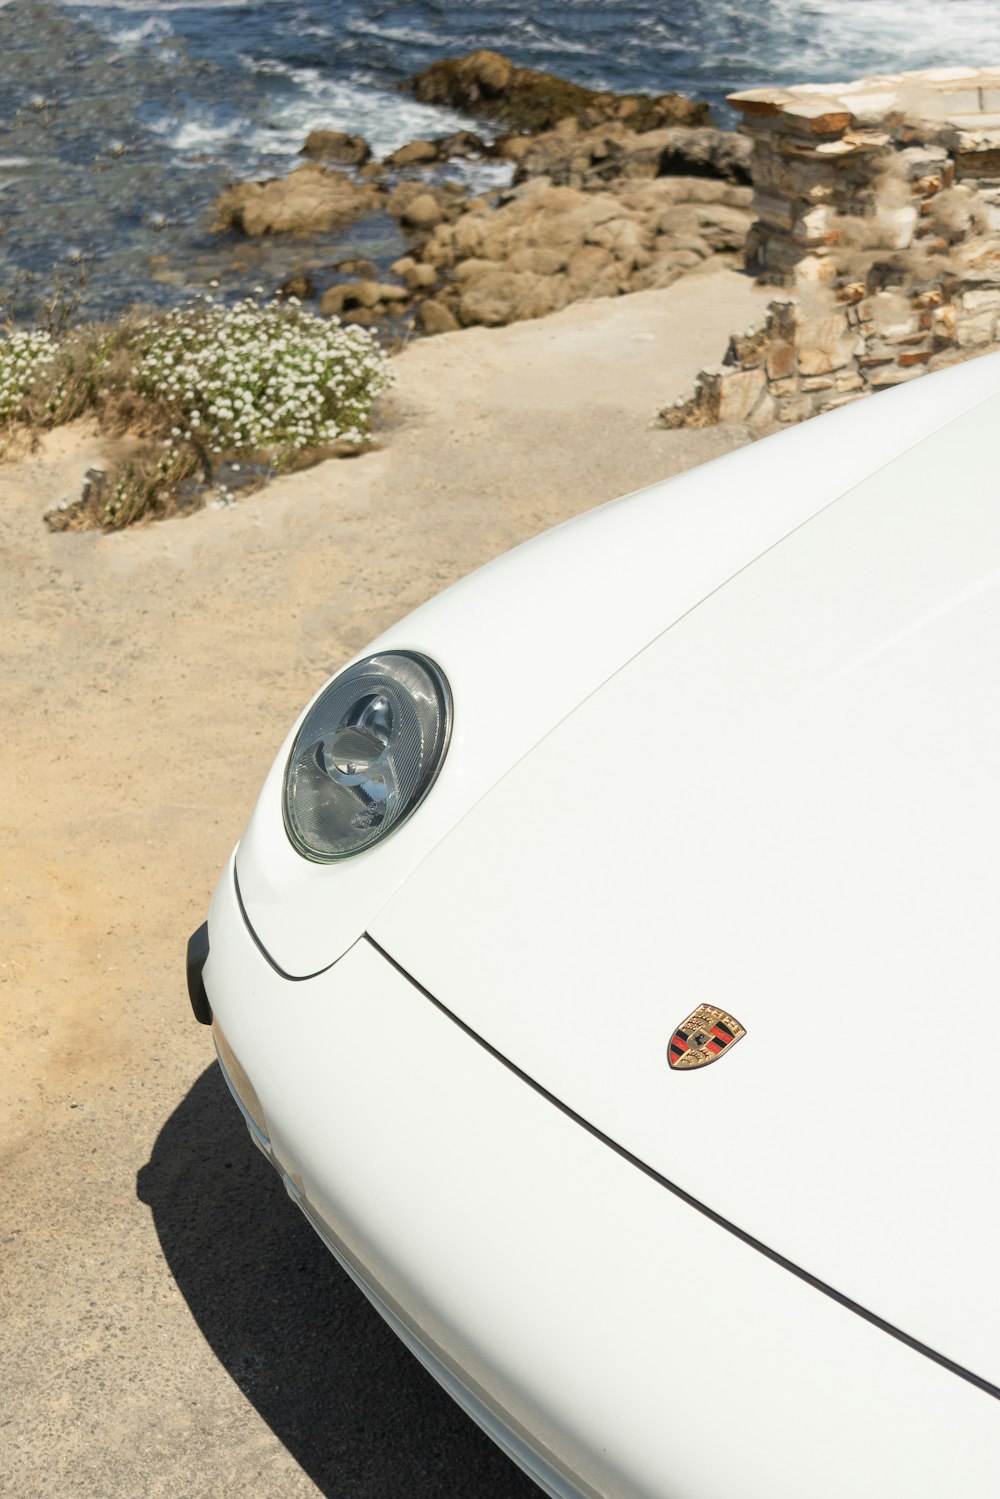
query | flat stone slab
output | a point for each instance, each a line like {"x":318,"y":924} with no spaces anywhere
{"x":967,"y":95}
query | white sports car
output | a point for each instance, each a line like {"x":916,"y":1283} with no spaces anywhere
{"x":611,"y":967}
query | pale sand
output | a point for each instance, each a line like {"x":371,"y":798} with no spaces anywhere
{"x":148,"y":680}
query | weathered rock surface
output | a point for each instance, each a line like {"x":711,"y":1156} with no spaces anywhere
{"x":357,"y":266}
{"x":544,"y":246}
{"x":414,"y":153}
{"x":338,"y":147}
{"x":423,"y":212}
{"x":310,"y":200}
{"x":435,"y":317}
{"x":494,"y":295}
{"x":421,"y":205}
{"x":372,"y":296}
{"x":704,"y":151}
{"x":599,"y":207}
{"x":415,"y":277}
{"x":461,"y":143}
{"x":488,"y":83}
{"x":300,"y":285}
{"x":588,"y":158}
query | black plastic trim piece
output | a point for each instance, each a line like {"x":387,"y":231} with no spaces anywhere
{"x":197,"y":957}
{"x":700,"y":1207}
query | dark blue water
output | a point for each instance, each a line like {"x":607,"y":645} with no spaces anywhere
{"x":119,"y":123}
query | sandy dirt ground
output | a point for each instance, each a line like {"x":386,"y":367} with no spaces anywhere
{"x":171,"y":1327}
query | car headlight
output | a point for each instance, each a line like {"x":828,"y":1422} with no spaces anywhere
{"x":366,"y":755}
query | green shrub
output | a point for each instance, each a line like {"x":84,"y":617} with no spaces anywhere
{"x":205,"y":384}
{"x":269,"y":379}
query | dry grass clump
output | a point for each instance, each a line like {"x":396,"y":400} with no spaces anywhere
{"x":194,"y":390}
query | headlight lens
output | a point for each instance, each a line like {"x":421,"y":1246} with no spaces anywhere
{"x":366,"y":755}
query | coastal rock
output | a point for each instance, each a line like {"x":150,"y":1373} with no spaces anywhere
{"x":713,"y":224}
{"x":493,"y":296}
{"x":438,"y":201}
{"x":537,"y":247}
{"x":423,"y":212}
{"x":368,"y":295}
{"x":434,"y":317}
{"x":415,"y":153}
{"x":470,"y":82}
{"x":706,"y":152}
{"x":331,"y":303}
{"x":488,"y":83}
{"x":363,"y":269}
{"x":611,"y":152}
{"x":593,"y":272}
{"x":512,"y":147}
{"x":300,"y":285}
{"x":461,"y":143}
{"x":415,"y":277}
{"x":311,"y":200}
{"x":336,"y":146}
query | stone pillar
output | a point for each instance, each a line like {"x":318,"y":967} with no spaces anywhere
{"x":878,"y":207}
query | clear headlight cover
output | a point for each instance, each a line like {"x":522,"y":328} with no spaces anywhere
{"x":366,"y":755}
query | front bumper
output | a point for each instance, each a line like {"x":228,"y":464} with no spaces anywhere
{"x":613,"y":1340}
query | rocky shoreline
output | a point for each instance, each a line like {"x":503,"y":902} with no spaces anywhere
{"x":875,"y":205}
{"x":609,"y":194}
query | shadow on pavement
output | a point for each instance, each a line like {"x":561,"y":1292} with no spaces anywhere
{"x":349,"y":1402}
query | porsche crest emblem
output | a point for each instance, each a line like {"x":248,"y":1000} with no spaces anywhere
{"x":703,"y":1036}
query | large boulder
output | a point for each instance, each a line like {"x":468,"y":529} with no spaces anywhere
{"x":706,"y":152}
{"x":299,"y":285}
{"x":473,"y":82}
{"x":611,"y":152}
{"x":413,"y":154}
{"x":421,"y":205}
{"x":435,"y":317}
{"x":311,"y":200}
{"x":423,"y":152}
{"x":488,"y":83}
{"x":461,"y":143}
{"x":414,"y":275}
{"x":494,"y":296}
{"x":337,"y":147}
{"x":423,"y":212}
{"x":368,"y":295}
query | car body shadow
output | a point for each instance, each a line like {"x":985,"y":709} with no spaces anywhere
{"x":351,"y":1404}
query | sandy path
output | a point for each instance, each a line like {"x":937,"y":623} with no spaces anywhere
{"x":147,"y":680}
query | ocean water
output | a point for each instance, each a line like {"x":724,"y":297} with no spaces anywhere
{"x":120,"y":122}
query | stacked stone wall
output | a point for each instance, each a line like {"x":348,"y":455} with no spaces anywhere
{"x":877,"y":209}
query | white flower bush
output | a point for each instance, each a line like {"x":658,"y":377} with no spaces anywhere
{"x":22,"y":357}
{"x":265,"y":382}
{"x":262,"y":378}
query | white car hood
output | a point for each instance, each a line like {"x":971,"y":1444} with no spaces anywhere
{"x":787,"y":805}
{"x":526,"y":639}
